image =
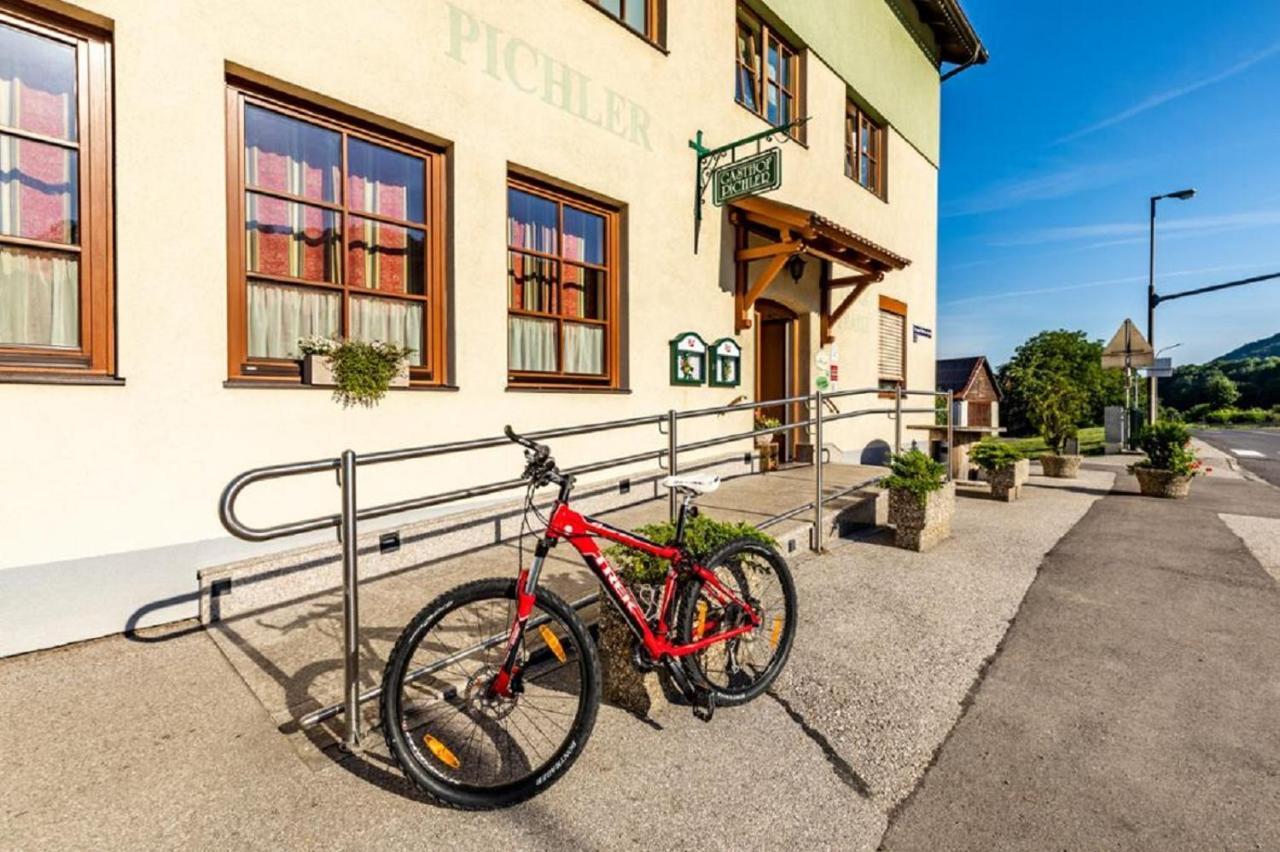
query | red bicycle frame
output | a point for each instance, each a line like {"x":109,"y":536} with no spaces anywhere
{"x":581,"y":532}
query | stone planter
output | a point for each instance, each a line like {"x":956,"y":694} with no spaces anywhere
{"x":1162,"y":483}
{"x":622,"y":684}
{"x":1061,"y":467}
{"x":765,"y":440}
{"x":316,"y":371}
{"x":1004,"y":484}
{"x":1021,"y":472}
{"x":917,"y":527}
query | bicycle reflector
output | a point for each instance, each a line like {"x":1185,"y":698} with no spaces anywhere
{"x":441,"y":752}
{"x":549,"y":636}
{"x":777,"y":631}
{"x":700,"y":624}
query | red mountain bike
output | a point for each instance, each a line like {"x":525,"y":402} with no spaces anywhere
{"x":491,"y":691}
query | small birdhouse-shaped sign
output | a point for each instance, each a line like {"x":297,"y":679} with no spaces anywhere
{"x":688,"y":359}
{"x":726,"y":363}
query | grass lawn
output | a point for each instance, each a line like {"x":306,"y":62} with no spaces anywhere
{"x":1090,"y":443}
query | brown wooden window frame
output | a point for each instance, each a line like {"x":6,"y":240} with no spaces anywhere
{"x":94,"y":361}
{"x":763,"y":37}
{"x":655,"y":19}
{"x":285,"y":371}
{"x":887,"y":383}
{"x":611,"y":378}
{"x":859,"y":126}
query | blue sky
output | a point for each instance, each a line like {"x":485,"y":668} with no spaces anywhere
{"x":1051,"y":151}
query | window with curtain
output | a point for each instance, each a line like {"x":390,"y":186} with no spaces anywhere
{"x":561,"y":288}
{"x":767,"y":72}
{"x":864,"y":148}
{"x":55,"y":266}
{"x":643,"y":17}
{"x":893,"y":343}
{"x":338,"y":236}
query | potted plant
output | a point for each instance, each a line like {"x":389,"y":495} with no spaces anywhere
{"x":1003,"y":465}
{"x":763,"y":422}
{"x":921,"y":500}
{"x":623,"y":683}
{"x":359,"y":371}
{"x":1054,"y":411}
{"x":1171,"y":462}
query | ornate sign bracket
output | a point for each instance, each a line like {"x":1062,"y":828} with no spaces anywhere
{"x":709,"y":159}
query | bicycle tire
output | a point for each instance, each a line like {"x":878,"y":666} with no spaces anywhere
{"x":431,"y":780}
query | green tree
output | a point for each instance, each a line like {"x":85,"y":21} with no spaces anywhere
{"x":1220,"y":390}
{"x":1068,"y":356}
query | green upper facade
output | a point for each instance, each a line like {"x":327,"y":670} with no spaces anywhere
{"x":888,"y":54}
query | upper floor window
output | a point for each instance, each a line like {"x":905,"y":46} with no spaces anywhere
{"x":768,"y":74}
{"x":643,"y":17}
{"x":56,"y":312}
{"x":337,"y":231}
{"x":864,"y":149}
{"x":562,"y":288}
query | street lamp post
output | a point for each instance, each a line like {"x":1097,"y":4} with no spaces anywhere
{"x":1153,"y":403}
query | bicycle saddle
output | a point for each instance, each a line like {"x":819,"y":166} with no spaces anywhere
{"x":693,"y":483}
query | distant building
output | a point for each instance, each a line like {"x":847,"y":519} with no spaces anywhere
{"x":977,"y":394}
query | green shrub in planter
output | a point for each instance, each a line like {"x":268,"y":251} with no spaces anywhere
{"x":992,"y":455}
{"x":1168,"y":447}
{"x":363,"y":370}
{"x":702,"y":536}
{"x":915,"y":472}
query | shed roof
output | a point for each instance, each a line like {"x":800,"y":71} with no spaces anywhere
{"x":955,"y":374}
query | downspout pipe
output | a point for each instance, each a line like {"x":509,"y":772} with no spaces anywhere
{"x":973,"y":60}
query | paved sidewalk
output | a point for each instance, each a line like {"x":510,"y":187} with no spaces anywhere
{"x":1134,"y":704}
{"x":129,"y":744}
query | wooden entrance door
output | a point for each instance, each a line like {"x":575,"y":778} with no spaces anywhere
{"x":776,"y":341}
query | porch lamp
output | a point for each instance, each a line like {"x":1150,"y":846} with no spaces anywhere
{"x":1153,"y":403}
{"x":795,"y":267}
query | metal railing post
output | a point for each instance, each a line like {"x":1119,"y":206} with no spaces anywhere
{"x":897,"y":418}
{"x":951,"y":435}
{"x":350,"y":603}
{"x":817,"y":472}
{"x":672,"y":464}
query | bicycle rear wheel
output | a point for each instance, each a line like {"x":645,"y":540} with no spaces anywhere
{"x":457,"y":743}
{"x":737,"y":670}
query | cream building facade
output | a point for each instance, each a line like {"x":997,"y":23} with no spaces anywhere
{"x":506,"y":186}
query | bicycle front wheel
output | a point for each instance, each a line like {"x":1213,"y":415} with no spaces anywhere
{"x":458,"y":743}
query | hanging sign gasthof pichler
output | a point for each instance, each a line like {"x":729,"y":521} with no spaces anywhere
{"x":688,"y":359}
{"x":748,"y":176}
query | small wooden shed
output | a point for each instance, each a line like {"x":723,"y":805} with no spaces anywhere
{"x":977,"y":394}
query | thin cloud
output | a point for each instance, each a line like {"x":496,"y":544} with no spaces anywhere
{"x":1062,"y":288}
{"x":1043,"y":187}
{"x":1111,"y":233}
{"x":1164,"y":97}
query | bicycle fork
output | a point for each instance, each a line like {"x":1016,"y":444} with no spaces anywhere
{"x":508,"y":677}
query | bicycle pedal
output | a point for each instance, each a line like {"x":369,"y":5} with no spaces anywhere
{"x":704,"y":705}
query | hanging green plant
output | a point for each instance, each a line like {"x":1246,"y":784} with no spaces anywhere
{"x":362,"y":370}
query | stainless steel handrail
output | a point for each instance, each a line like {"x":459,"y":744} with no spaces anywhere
{"x":346,"y":521}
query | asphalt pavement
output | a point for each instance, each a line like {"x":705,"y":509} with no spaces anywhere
{"x":1133,"y":704}
{"x":1257,"y":450}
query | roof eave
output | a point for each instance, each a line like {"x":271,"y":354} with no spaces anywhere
{"x":958,"y":41}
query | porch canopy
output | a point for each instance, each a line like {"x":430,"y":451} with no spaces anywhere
{"x":794,"y":231}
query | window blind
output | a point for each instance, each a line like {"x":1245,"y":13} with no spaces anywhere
{"x":892,"y":356}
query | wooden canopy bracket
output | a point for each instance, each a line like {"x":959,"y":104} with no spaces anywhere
{"x":830,"y":317}
{"x":777,"y":254}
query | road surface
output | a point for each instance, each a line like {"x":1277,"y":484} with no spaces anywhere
{"x":1133,"y":704}
{"x":1257,"y":450}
